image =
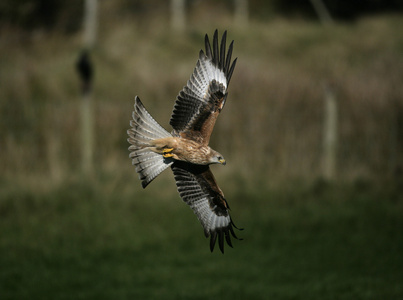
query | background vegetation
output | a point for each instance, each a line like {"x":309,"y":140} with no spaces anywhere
{"x":65,"y":234}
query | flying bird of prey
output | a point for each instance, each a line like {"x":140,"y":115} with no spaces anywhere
{"x":186,"y":149}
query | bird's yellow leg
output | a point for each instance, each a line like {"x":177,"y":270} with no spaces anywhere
{"x":166,"y":152}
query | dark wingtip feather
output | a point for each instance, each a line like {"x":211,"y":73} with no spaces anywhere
{"x":233,"y":232}
{"x":233,"y":224}
{"x":218,"y":56}
{"x":144,"y":184}
{"x":212,"y":240}
{"x":228,"y":238}
{"x":228,"y":60}
{"x":221,"y":241}
{"x":208,"y":47}
{"x":222,"y":51}
{"x":215,"y":48}
{"x":223,"y":233}
{"x":231,"y":70}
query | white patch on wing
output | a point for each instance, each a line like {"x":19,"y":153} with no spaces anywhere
{"x":204,"y":73}
{"x":191,"y":192}
{"x":210,"y":220}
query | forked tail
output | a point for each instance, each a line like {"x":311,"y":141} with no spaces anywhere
{"x":143,"y":130}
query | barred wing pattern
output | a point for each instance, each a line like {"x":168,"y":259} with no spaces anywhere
{"x":198,"y":188}
{"x":143,"y":129}
{"x":198,"y":104}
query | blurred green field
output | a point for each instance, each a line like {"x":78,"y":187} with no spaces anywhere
{"x":82,"y":241}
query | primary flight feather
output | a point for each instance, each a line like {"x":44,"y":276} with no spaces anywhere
{"x":185,"y":149}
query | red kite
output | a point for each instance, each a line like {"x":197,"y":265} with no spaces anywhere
{"x":185,"y":149}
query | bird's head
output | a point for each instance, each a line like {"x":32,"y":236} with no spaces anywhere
{"x":217,"y":158}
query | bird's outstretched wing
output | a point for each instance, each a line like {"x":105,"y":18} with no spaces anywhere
{"x":202,"y":99}
{"x":198,"y":188}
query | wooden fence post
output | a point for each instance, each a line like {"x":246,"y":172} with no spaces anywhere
{"x":178,"y":15}
{"x":241,"y":12}
{"x":322,"y":11}
{"x":330,"y":134}
{"x":85,"y":70}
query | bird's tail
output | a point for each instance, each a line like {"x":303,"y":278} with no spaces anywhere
{"x":143,"y":130}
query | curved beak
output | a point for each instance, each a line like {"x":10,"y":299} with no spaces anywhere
{"x":222,"y":161}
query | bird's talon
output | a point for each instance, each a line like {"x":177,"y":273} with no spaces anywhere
{"x":167,"y":155}
{"x":166,"y":150}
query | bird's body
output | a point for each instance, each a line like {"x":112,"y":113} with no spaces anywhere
{"x":186,"y":149}
{"x":182,"y":149}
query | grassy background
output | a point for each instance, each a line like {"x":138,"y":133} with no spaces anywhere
{"x":275,"y":105}
{"x":318,"y":242}
{"x":64,"y":235}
